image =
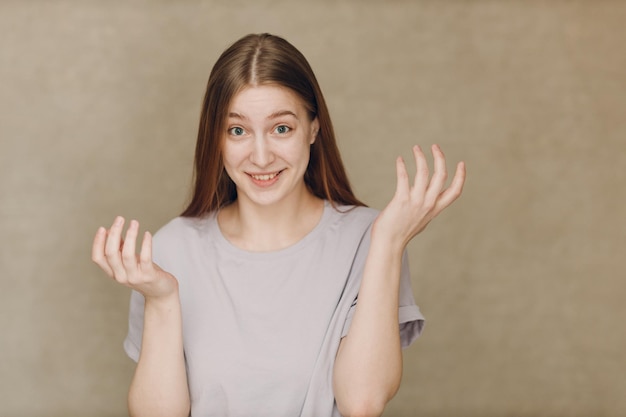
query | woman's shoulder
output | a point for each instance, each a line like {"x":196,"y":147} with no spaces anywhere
{"x":354,"y":215}
{"x":184,"y":227}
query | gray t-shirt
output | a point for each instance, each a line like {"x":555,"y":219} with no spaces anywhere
{"x":261,"y":329}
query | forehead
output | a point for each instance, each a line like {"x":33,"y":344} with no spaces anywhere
{"x":263,"y":100}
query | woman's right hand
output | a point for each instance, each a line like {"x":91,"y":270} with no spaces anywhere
{"x":118,"y":258}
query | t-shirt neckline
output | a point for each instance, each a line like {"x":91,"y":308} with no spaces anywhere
{"x":222,"y":242}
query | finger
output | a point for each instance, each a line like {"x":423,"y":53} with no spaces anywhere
{"x":97,"y":251}
{"x":145,"y":256}
{"x":421,"y":172}
{"x":440,"y":175}
{"x":129,"y":257}
{"x":454,"y":191}
{"x":402,"y":184}
{"x":112,"y":249}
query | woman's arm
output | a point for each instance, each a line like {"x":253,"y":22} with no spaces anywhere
{"x":159,"y":386}
{"x":368,"y":367}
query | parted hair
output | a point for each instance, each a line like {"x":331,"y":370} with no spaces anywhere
{"x":262,"y":59}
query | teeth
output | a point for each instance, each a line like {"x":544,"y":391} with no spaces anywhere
{"x":265,"y":177}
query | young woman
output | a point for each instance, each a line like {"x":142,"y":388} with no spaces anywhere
{"x":276,"y":292}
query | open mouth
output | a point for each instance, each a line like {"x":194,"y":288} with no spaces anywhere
{"x":264,"y":179}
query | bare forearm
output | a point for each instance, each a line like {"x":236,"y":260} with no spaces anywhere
{"x":368,"y":367}
{"x":159,"y":386}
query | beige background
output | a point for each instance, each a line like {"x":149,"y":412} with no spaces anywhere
{"x":522,"y":280}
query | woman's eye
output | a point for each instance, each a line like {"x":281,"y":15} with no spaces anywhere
{"x":282,"y":129}
{"x":236,"y":131}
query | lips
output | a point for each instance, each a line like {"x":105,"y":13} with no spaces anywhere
{"x":265,"y":179}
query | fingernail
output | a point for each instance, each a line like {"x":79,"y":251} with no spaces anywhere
{"x":119,"y":220}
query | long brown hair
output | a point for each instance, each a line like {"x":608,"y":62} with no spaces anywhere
{"x":255,"y":60}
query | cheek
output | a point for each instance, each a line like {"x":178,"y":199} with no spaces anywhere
{"x":232,"y":156}
{"x":299,"y":152}
{"x":228,"y":167}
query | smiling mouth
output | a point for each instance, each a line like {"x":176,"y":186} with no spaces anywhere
{"x":265,"y":177}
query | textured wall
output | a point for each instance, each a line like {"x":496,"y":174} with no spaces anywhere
{"x":522,"y":281}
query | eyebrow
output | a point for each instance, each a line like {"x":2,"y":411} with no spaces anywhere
{"x":274,"y":115}
{"x":281,"y":113}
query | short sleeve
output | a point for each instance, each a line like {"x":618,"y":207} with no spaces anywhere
{"x":132,"y":343}
{"x":410,"y":319}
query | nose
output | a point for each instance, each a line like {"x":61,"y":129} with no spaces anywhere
{"x":262,"y":154}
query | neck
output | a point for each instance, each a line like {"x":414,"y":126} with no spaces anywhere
{"x":261,"y":228}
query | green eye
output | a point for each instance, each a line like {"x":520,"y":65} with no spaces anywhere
{"x":236,"y":131}
{"x":282,"y":129}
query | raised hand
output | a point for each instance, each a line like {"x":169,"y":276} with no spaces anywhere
{"x":118,"y":258}
{"x":413,"y":207}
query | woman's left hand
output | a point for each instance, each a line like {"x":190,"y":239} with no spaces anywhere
{"x":413,"y":207}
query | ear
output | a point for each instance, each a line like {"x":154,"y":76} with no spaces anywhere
{"x":315,"y":128}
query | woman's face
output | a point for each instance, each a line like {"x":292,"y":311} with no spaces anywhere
{"x":266,"y":145}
